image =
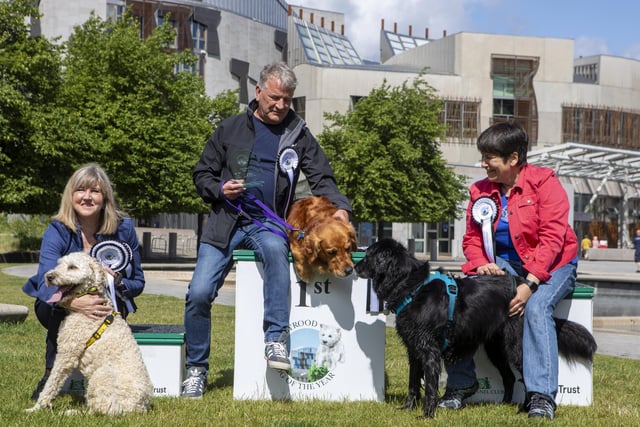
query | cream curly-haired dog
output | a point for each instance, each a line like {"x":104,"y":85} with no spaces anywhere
{"x":104,"y":351}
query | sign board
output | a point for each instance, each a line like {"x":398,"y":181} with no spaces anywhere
{"x":162,"y":348}
{"x":575,"y":380}
{"x":336,"y":340}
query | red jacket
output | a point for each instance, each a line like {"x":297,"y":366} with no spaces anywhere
{"x":538,"y":223}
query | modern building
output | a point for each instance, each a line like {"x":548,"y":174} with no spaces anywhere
{"x":582,"y":114}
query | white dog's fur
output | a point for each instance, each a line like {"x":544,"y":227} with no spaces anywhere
{"x":116,"y":378}
{"x":331,"y":350}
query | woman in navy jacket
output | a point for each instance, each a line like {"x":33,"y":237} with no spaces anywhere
{"x":88,"y":214}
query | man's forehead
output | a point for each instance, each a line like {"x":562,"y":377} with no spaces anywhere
{"x":275,"y":85}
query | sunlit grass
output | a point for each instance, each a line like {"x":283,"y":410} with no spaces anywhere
{"x":616,"y":389}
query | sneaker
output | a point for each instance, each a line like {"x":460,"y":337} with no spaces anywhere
{"x":452,"y":399}
{"x":193,"y":387}
{"x":541,"y":407}
{"x":277,"y":356}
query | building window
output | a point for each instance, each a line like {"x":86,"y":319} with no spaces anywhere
{"x":461,"y":118}
{"x":299,"y":106}
{"x":355,"y":99}
{"x":199,"y":43}
{"x":115,"y":10}
{"x":606,"y":127}
{"x":513,"y":94}
{"x":161,"y":17}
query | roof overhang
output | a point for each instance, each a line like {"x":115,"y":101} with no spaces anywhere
{"x":590,"y":162}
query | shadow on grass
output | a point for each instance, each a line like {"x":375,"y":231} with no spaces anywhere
{"x":224,"y":378}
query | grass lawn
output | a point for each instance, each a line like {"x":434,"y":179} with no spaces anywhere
{"x":616,"y":400}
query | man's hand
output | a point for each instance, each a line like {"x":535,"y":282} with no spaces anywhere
{"x":341,"y":214}
{"x":233,"y":188}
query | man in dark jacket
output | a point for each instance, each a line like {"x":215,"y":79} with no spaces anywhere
{"x":247,"y":173}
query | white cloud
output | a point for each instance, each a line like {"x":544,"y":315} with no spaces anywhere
{"x":587,"y":46}
{"x":363,"y":18}
{"x":632,"y":51}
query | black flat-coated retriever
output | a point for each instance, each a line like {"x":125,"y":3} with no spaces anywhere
{"x":480,"y":317}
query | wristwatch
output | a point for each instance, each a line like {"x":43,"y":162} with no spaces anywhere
{"x":531,"y":284}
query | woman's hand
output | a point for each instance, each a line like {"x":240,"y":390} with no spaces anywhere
{"x":516,"y":305}
{"x":490,"y":269}
{"x":92,"y":306}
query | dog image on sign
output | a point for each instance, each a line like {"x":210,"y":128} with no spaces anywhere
{"x":331,"y":349}
{"x":316,"y":351}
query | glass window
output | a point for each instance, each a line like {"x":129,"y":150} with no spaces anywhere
{"x":161,"y":17}
{"x":115,"y":9}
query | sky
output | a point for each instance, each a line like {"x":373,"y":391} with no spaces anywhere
{"x":608,"y":27}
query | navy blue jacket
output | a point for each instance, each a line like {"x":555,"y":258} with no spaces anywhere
{"x":58,"y":240}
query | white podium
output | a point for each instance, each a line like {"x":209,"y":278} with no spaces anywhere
{"x":336,"y":341}
{"x":163,"y":352}
{"x":575,"y":380}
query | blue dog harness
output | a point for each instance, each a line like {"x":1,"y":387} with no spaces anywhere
{"x":452,"y":291}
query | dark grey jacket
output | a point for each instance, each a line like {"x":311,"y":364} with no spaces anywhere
{"x":232,"y":140}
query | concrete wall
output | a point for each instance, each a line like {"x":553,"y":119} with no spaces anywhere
{"x":59,"y":17}
{"x":245,"y":40}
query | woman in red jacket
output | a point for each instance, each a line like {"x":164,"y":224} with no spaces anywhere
{"x":517,"y":220}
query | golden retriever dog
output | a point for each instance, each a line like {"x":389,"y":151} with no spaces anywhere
{"x":103,"y":350}
{"x":320,"y":243}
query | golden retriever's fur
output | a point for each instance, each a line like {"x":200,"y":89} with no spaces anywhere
{"x":116,"y":378}
{"x":323,"y":244}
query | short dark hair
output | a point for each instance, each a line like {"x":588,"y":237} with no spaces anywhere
{"x":503,"y":139}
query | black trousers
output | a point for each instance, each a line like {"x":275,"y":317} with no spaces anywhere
{"x":50,"y":318}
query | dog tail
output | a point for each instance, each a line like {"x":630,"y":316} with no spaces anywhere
{"x":574,"y":340}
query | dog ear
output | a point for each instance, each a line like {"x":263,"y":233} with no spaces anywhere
{"x":311,"y":248}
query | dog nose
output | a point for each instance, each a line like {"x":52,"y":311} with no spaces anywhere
{"x":50,"y":277}
{"x":348,"y":270}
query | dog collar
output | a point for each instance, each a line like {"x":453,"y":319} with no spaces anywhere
{"x":98,"y":334}
{"x":91,"y":290}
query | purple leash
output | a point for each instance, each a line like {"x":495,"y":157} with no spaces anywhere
{"x":269,"y":213}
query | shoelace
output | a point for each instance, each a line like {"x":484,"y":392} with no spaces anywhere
{"x":277,"y":350}
{"x":541,"y":406}
{"x":193,"y":384}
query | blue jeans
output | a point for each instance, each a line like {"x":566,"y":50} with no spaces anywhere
{"x":213,"y":265}
{"x":539,"y":342}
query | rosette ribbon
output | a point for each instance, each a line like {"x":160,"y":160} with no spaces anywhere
{"x":117,"y":256}
{"x":484,"y":212}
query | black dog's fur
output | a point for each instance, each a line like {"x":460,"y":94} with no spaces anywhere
{"x":480,"y":317}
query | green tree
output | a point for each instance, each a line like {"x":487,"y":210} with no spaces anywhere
{"x":123,"y":105}
{"x":386,"y":156}
{"x":29,"y":83}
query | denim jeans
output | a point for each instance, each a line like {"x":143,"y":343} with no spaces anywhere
{"x":213,"y":265}
{"x":539,"y":342}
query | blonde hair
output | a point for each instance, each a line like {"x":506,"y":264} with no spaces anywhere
{"x":88,"y":176}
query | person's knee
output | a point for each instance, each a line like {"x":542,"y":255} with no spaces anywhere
{"x":200,"y":293}
{"x":274,"y":252}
